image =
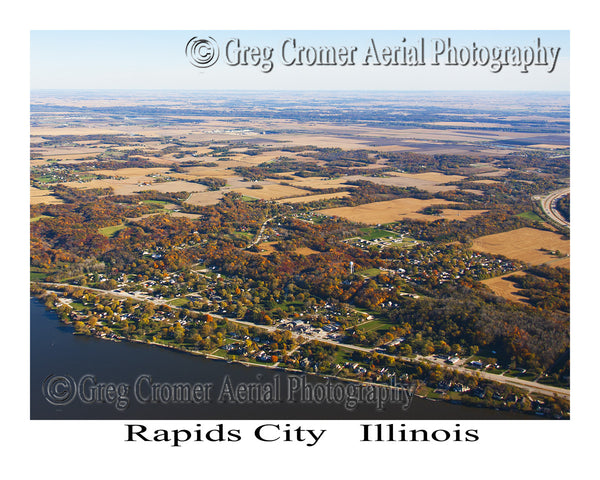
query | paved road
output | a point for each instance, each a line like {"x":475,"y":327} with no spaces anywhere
{"x":518,"y":382}
{"x":259,"y":235}
{"x":548,"y":204}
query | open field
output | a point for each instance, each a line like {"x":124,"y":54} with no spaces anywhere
{"x":266,"y":248}
{"x":271,"y":192}
{"x":526,"y":244}
{"x":321,"y":182}
{"x":139,"y":183}
{"x":395,"y":210}
{"x":37,"y":195}
{"x":314,"y":198}
{"x":505,"y":288}
{"x":205,"y":198}
{"x":111,"y":231}
{"x":430,"y":182}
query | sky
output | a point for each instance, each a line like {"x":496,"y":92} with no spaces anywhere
{"x":145,"y":59}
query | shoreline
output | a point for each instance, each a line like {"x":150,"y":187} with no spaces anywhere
{"x":118,"y":338}
{"x":211,"y":357}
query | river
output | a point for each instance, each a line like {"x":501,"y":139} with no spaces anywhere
{"x":80,"y":377}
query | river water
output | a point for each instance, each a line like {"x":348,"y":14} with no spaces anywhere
{"x":79,"y":377}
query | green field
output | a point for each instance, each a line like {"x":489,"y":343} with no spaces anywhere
{"x":154,"y":202}
{"x":369,"y":233}
{"x":37,"y":276}
{"x":342,"y":355}
{"x":179,"y":302}
{"x":369,"y":272}
{"x":531,"y":216}
{"x":111,"y":231}
{"x":39,"y":217}
{"x":373,"y":325}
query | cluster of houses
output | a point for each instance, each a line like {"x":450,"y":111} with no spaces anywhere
{"x":382,"y":242}
{"x":476,"y":265}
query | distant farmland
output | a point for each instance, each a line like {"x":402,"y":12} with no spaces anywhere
{"x":399,"y":209}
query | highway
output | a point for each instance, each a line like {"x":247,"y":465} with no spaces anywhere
{"x":548,"y":204}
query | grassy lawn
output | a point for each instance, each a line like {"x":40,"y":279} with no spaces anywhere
{"x":39,"y":217}
{"x":369,"y":272}
{"x":244,"y":235}
{"x":46,"y":179}
{"x":372,"y":325}
{"x":246,"y":198}
{"x":298,"y":305}
{"x":219,"y":352}
{"x":342,"y":355}
{"x":37,"y":276}
{"x":178,"y":302}
{"x":155,"y":202}
{"x":111,"y":231}
{"x":77,"y":306}
{"x":373,"y":233}
{"x":531,"y":216}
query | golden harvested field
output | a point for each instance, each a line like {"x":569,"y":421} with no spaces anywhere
{"x":560,"y":262}
{"x":264,"y":156}
{"x":399,"y":209}
{"x":505,"y":288}
{"x":525,"y":244}
{"x":133,"y":184}
{"x":37,"y":195}
{"x":305,"y":251}
{"x":205,"y":198}
{"x":271,"y":192}
{"x":267,"y":248}
{"x":320,"y":182}
{"x":192,"y":216}
{"x":314,"y":198}
{"x":430,"y":176}
{"x":321,"y":141}
{"x":200,"y":171}
{"x":430,"y":182}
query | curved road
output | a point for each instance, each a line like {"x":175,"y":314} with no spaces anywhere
{"x":548,"y":203}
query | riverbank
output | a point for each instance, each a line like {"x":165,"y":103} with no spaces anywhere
{"x":419,"y":390}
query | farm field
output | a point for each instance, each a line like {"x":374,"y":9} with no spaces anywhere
{"x":267,"y":248}
{"x":271,"y":192}
{"x":395,"y":210}
{"x":314,"y":198}
{"x":37,"y":195}
{"x":133,"y":184}
{"x":205,"y":198}
{"x":526,"y":244}
{"x":505,"y":288}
